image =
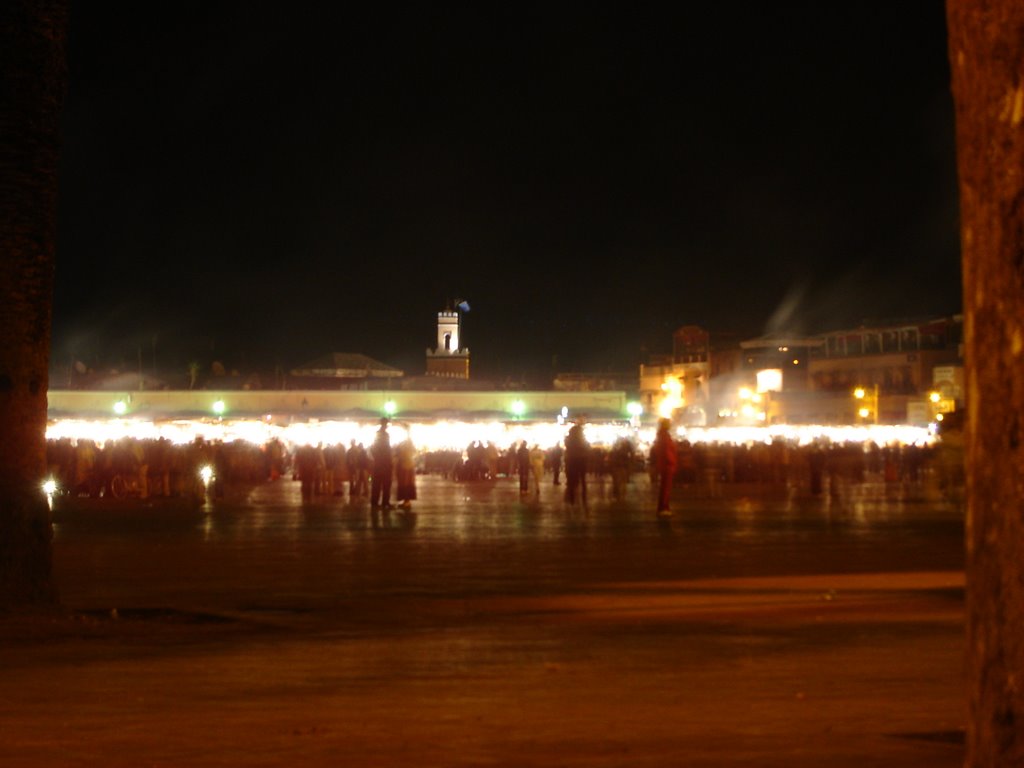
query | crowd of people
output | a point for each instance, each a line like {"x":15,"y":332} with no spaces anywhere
{"x":159,"y":468}
{"x":382,"y":473}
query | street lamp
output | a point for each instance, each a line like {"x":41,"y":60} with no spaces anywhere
{"x":869,"y":409}
{"x":49,"y":489}
{"x":940,"y":405}
{"x":635,"y":411}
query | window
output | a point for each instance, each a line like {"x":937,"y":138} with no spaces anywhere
{"x":909,"y":340}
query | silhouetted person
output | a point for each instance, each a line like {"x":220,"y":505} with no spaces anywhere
{"x":555,"y":462}
{"x":620,"y":464}
{"x":665,"y":463}
{"x":537,"y":460}
{"x":523,"y":466}
{"x":358,"y":461}
{"x":405,"y":473}
{"x":306,"y":468}
{"x":577,"y":452}
{"x":816,"y":465}
{"x":383,"y":467}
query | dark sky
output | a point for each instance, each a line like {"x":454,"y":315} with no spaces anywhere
{"x":262,"y":185}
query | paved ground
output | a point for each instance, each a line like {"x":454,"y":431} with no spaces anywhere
{"x":758,"y":629}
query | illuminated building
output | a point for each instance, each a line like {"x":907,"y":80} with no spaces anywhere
{"x":912,"y":371}
{"x":677,"y":387}
{"x":786,"y":379}
{"x":774,"y":368}
{"x":903,"y":362}
{"x":449,"y":359}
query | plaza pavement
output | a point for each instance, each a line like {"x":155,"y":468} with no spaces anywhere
{"x":764,"y":627}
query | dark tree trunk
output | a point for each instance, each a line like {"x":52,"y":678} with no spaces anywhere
{"x":32,"y":77}
{"x":986,"y":49}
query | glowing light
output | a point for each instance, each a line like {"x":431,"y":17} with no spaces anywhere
{"x":864,"y":412}
{"x":50,"y":488}
{"x":120,"y":407}
{"x":457,"y":435}
{"x":219,"y":407}
{"x":745,"y":393}
{"x":206,"y":474}
{"x":518,"y":408}
{"x":935,"y":397}
{"x":390,"y":408}
{"x":859,"y":393}
{"x":769,"y":380}
{"x":673,"y":398}
{"x":634,"y":409}
{"x":939,"y":416}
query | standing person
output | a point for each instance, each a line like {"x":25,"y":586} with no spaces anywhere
{"x":142,"y":462}
{"x":620,"y":464}
{"x":491,"y":457}
{"x":330,"y":454}
{"x":537,"y":461}
{"x":405,"y":473}
{"x":357,"y":462}
{"x":275,"y":459}
{"x":523,"y":466}
{"x":160,"y":466}
{"x":665,"y":462}
{"x":321,"y":469}
{"x":85,"y":461}
{"x":577,"y":452}
{"x":340,"y":469}
{"x":555,"y":462}
{"x":306,"y":465}
{"x":383,"y":467}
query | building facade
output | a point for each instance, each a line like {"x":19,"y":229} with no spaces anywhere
{"x":889,"y":373}
{"x":448,"y":359}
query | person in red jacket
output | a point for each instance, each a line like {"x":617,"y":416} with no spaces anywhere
{"x":665,"y":462}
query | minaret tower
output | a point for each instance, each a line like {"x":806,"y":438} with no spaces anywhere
{"x":448,"y":359}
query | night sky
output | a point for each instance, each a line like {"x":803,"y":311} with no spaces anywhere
{"x":264,"y":185}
